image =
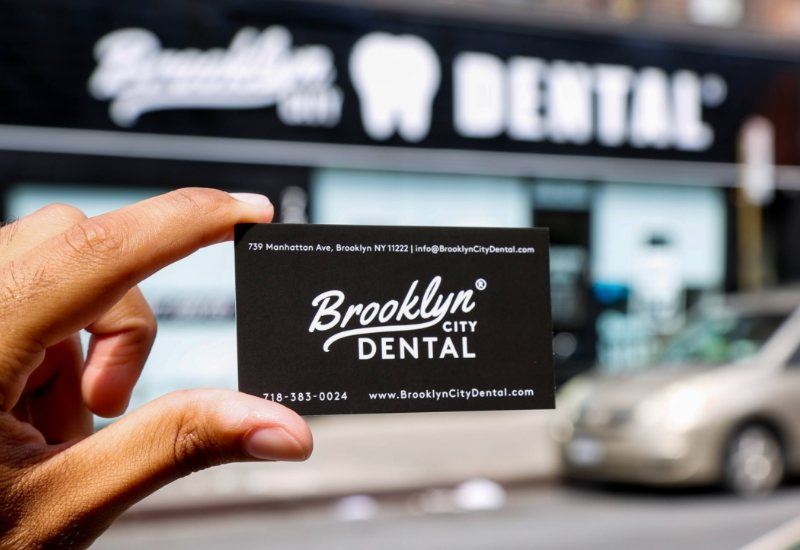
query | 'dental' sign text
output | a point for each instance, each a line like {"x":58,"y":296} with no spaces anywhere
{"x":532,"y":99}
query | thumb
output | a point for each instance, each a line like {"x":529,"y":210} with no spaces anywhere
{"x":97,"y":478}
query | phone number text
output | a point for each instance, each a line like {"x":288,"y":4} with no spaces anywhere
{"x":303,"y":396}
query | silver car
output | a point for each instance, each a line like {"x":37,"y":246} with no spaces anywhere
{"x":721,"y":404}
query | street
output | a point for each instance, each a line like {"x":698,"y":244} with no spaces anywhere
{"x":532,"y":517}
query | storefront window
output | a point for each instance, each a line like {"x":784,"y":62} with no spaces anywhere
{"x":393,"y":198}
{"x":650,"y":245}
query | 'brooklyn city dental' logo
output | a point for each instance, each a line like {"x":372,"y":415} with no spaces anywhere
{"x":414,"y":312}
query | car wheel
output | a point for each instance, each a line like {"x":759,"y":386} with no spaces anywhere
{"x":754,"y":461}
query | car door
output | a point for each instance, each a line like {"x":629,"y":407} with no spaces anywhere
{"x":787,"y":404}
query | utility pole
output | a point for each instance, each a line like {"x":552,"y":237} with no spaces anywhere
{"x":756,"y":187}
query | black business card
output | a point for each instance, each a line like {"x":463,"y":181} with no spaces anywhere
{"x":338,"y":319}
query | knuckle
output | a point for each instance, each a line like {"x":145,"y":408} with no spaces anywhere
{"x":145,"y":325}
{"x":57,"y":217}
{"x":149,"y":324}
{"x":65,"y":214}
{"x":95,"y":237}
{"x":138,"y":317}
{"x":193,"y":447}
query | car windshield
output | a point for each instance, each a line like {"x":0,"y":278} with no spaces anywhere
{"x":724,"y":337}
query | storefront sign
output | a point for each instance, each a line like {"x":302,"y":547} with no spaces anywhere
{"x":353,"y":76}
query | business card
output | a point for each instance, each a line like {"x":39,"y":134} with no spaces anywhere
{"x":335,"y":319}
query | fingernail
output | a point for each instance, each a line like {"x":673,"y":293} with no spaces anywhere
{"x":252,"y":198}
{"x":273,"y":444}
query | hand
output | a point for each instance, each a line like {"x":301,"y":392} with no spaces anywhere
{"x":61,"y":485}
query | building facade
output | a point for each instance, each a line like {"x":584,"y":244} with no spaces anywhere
{"x":629,"y":146}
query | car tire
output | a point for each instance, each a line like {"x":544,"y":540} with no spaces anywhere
{"x":755,"y":462}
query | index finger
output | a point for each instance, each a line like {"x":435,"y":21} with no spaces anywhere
{"x":65,"y":283}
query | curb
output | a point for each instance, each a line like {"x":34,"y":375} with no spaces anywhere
{"x":208,"y":508}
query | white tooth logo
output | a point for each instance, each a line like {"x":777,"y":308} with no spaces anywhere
{"x":396,"y":78}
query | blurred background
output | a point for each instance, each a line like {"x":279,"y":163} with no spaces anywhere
{"x":659,"y":140}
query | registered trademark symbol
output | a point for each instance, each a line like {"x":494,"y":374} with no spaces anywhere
{"x":713,"y":90}
{"x":480,"y":284}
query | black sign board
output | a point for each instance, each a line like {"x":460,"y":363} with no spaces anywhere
{"x":347,"y":75}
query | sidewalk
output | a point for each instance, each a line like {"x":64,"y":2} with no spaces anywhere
{"x":379,"y":453}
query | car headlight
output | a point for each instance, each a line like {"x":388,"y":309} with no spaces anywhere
{"x":677,"y":407}
{"x":569,"y":401}
{"x":572,"y":396}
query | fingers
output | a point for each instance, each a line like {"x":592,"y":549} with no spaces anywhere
{"x":65,"y":283}
{"x":53,"y":404}
{"x":168,"y":438}
{"x":121,"y":341}
{"x":54,"y":401}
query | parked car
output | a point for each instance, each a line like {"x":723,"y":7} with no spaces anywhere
{"x":721,"y":403}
